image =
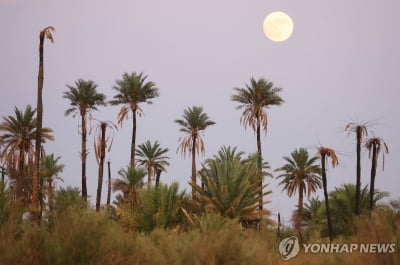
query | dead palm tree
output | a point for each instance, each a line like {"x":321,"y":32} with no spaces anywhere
{"x":254,"y":99}
{"x":45,"y":33}
{"x":360,"y":129}
{"x":19,"y":134}
{"x":132,"y":90}
{"x":324,"y":153}
{"x":152,"y":156}
{"x":83,"y":98}
{"x":375,"y":146}
{"x":194,"y":122}
{"x":103,"y":141}
{"x":301,"y":175}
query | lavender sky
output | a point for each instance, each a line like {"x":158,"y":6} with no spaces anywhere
{"x":341,"y":64}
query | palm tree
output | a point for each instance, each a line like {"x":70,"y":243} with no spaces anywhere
{"x":194,"y":122}
{"x":19,"y":133}
{"x":375,"y":146}
{"x":83,"y":98}
{"x":49,"y":170}
{"x":45,"y":33}
{"x":230,"y":186}
{"x":131,"y":180}
{"x":100,"y":146}
{"x":132,"y":90}
{"x":254,"y":99}
{"x":360,"y":129}
{"x":324,"y":153}
{"x":152,"y":156}
{"x":301,"y":175}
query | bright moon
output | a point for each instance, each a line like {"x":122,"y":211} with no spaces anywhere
{"x":278,"y":26}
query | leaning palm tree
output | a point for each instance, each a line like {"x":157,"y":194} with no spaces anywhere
{"x":375,"y":146}
{"x":360,"y":129}
{"x":254,"y":99}
{"x":49,"y":171}
{"x":301,"y":175}
{"x":152,"y":156}
{"x":83,"y":98}
{"x":19,"y":132}
{"x":132,"y":90}
{"x":324,"y":153}
{"x":194,"y":122}
{"x":45,"y":33}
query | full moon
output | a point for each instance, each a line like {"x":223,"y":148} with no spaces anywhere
{"x":278,"y":26}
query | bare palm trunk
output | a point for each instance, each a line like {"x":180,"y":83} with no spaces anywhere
{"x":84,"y":155}
{"x":20,"y":177}
{"x":259,"y":164}
{"x":300,"y":215}
{"x":193,"y":164}
{"x":133,"y":144}
{"x":39,"y":113}
{"x":158,"y":177}
{"x":101,"y":165}
{"x":109,"y":183}
{"x":324,"y":183}
{"x":373,"y":175}
{"x":358,"y":183}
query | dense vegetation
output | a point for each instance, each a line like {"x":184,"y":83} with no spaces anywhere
{"x":225,"y":219}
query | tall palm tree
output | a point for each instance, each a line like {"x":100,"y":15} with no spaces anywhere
{"x":49,"y":170}
{"x":254,"y":99}
{"x":100,"y":145}
{"x":324,"y":153}
{"x":360,"y":129}
{"x":19,"y":134}
{"x":83,"y":98}
{"x":375,"y":146}
{"x":132,"y":90}
{"x":45,"y":33}
{"x":194,"y":122}
{"x":130,"y":182}
{"x":152,"y":156}
{"x":301,"y":175}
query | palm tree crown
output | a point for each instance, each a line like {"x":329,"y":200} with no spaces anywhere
{"x":152,"y":156}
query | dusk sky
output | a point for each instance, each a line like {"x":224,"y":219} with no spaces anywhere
{"x":341,"y":64}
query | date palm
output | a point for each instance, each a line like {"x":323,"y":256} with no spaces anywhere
{"x":194,"y":122}
{"x":301,"y":175}
{"x":375,"y":146}
{"x":254,"y":99}
{"x":49,"y":171}
{"x":360,"y":129}
{"x":19,"y":132}
{"x":324,"y":154}
{"x":83,"y":99}
{"x":152,"y":156}
{"x":132,"y":90}
{"x":45,"y":33}
{"x":130,"y":181}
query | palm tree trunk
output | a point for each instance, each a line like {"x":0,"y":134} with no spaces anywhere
{"x":35,"y":181}
{"x":50,"y":198}
{"x":300,"y":215}
{"x":101,"y":165}
{"x":324,"y":183}
{"x":259,"y":164}
{"x":158,"y":177}
{"x":84,"y":155}
{"x":20,"y":177}
{"x":358,"y":183}
{"x":133,"y":144}
{"x":373,"y":175}
{"x":109,"y":183}
{"x":193,"y":164}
